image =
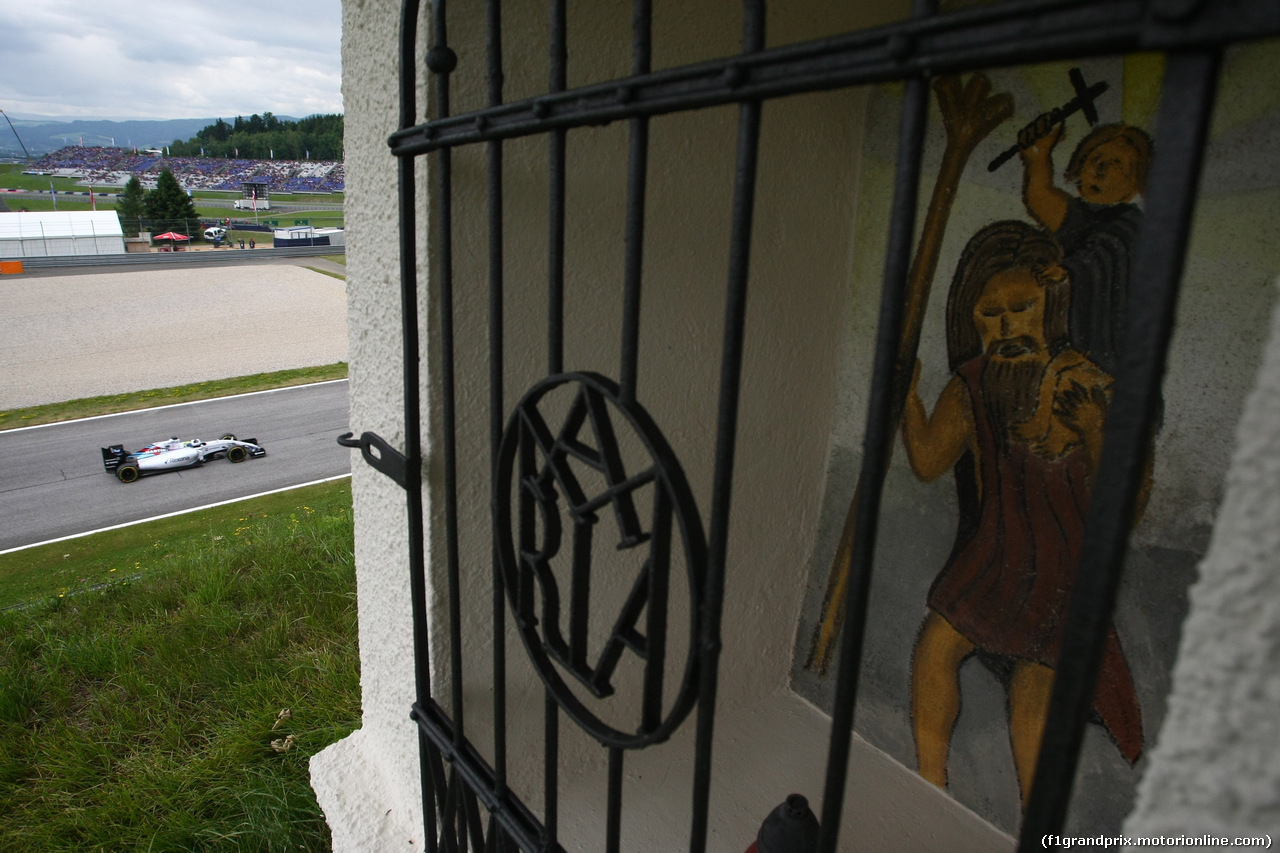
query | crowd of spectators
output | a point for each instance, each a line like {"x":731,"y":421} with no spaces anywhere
{"x":102,"y":166}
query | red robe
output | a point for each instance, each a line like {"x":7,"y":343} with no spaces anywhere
{"x":1006,"y":588}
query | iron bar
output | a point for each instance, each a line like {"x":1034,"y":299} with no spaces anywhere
{"x":493,"y":839}
{"x":637,"y":175}
{"x":475,"y":772}
{"x":978,"y":38}
{"x":708,"y":651}
{"x":580,"y":595}
{"x":412,"y":474}
{"x":428,"y":793}
{"x":1185,"y":107}
{"x":471,"y":813}
{"x":551,"y":732}
{"x":409,"y":330}
{"x":974,"y":39}
{"x":613,"y":808}
{"x":556,"y":179}
{"x":659,"y":572}
{"x":497,"y":406}
{"x":439,"y":787}
{"x":551,"y":769}
{"x":452,"y":843}
{"x":877,"y":448}
{"x":444,"y":249}
{"x":609,"y":495}
{"x":444,"y":212}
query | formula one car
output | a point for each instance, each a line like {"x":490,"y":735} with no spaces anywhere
{"x":174,"y":453}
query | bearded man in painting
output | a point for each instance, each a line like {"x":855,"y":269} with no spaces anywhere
{"x":1020,"y":421}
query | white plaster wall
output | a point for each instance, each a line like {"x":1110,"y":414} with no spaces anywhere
{"x":1216,"y":766}
{"x":367,"y":784}
{"x":769,"y":742}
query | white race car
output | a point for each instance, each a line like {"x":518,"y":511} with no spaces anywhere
{"x":175,"y":453}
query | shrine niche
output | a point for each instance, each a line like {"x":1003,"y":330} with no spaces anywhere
{"x":1031,"y":210}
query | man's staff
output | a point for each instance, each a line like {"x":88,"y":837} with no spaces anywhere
{"x":969,"y":113}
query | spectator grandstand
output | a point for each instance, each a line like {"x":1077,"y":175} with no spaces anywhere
{"x":103,"y":166}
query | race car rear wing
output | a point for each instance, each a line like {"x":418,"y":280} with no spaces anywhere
{"x":112,"y":457}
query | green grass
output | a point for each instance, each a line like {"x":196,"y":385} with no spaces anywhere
{"x":329,"y":273}
{"x":139,"y":707}
{"x":45,"y":205}
{"x":315,"y":218}
{"x":11,"y":177}
{"x":145,"y":671}
{"x":209,"y":211}
{"x":70,"y":567}
{"x":291,"y":197}
{"x":133,"y":401}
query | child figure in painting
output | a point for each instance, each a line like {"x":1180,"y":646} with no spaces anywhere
{"x":1098,"y":229}
{"x":1021,"y":423}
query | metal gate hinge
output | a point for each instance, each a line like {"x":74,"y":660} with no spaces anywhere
{"x":380,"y":455}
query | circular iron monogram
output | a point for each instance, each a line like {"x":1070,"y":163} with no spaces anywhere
{"x":552,"y":485}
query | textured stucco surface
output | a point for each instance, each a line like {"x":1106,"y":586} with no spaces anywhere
{"x":368,"y":784}
{"x":1216,"y":766}
{"x":769,"y":742}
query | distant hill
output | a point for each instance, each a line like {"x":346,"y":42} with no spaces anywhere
{"x":41,"y":136}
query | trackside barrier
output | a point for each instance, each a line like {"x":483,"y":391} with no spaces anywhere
{"x":158,"y":259}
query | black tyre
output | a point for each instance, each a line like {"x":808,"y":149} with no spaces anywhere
{"x":228,"y":437}
{"x":127,"y":472}
{"x":237,"y":454}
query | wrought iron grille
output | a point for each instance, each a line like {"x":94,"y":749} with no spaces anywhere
{"x":467,"y":802}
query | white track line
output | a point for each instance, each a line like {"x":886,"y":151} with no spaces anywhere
{"x":173,"y":406}
{"x":173,"y":514}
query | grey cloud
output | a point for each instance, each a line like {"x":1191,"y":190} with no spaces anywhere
{"x":173,"y":60}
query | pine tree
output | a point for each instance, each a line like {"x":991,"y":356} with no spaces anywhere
{"x":169,"y":207}
{"x":132,"y":206}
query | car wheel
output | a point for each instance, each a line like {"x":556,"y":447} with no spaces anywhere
{"x":228,"y":437}
{"x":127,"y":473}
{"x":237,"y":454}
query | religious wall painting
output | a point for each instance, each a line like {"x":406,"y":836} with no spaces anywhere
{"x":1035,"y":319}
{"x":1023,"y":331}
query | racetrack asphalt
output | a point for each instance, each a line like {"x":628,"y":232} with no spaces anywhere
{"x":53,"y":484}
{"x":92,"y":333}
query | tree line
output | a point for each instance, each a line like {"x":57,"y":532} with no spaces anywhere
{"x":262,"y":137}
{"x":165,"y":208}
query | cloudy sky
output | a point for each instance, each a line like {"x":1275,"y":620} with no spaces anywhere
{"x":121,"y":59}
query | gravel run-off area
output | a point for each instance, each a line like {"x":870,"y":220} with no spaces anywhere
{"x":90,"y":334}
